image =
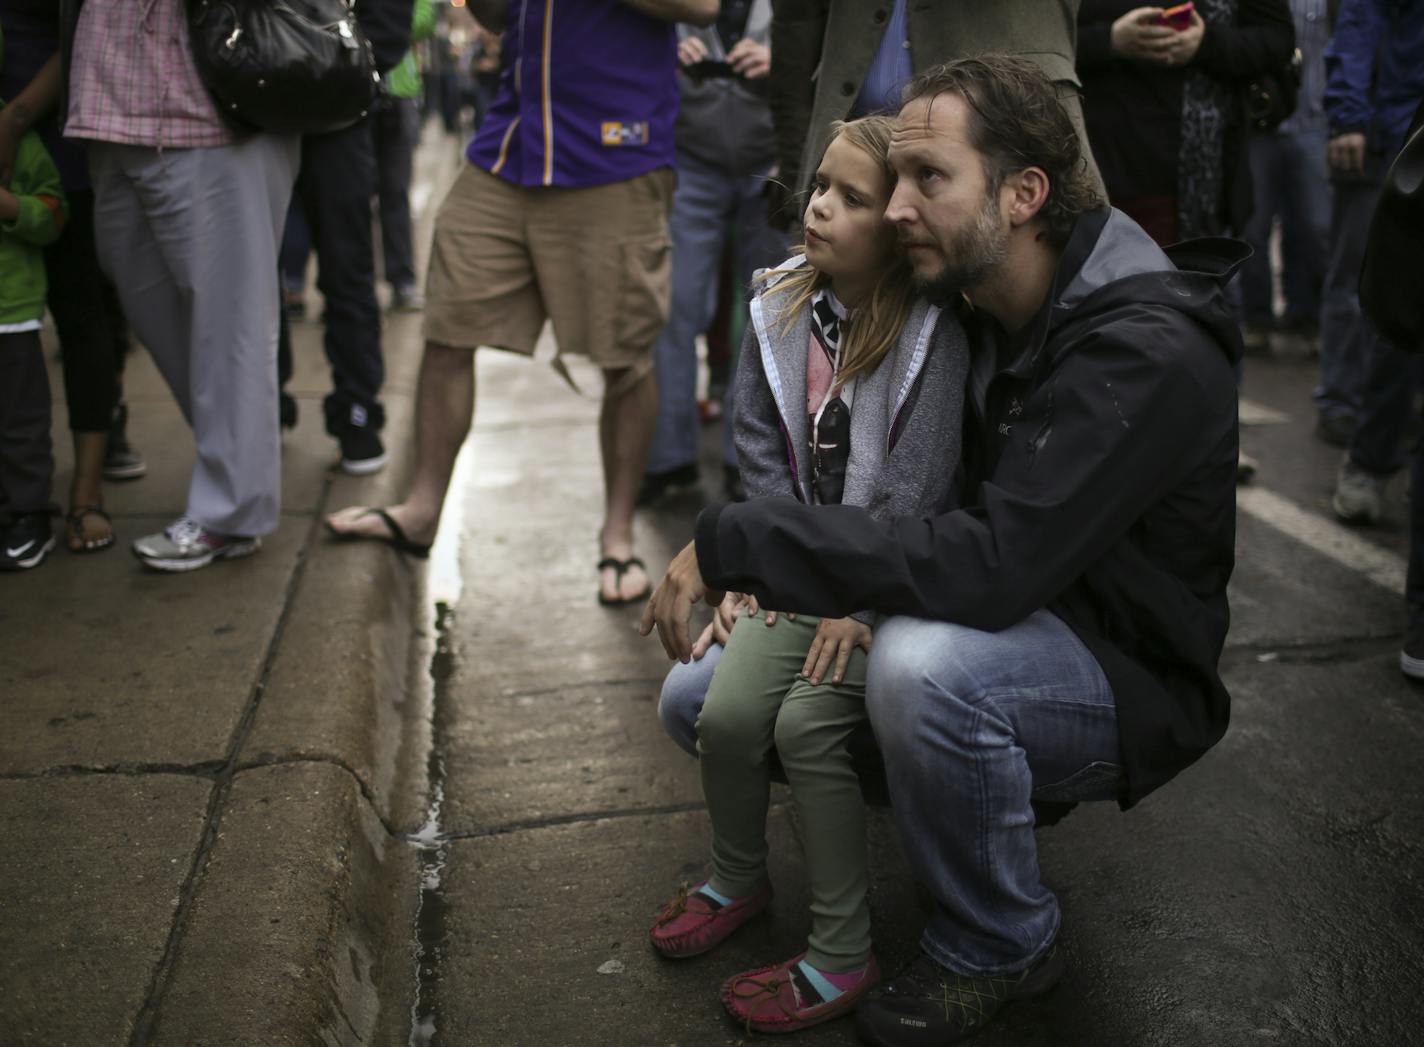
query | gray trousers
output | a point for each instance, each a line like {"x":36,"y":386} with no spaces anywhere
{"x":26,"y":461}
{"x":190,"y":237}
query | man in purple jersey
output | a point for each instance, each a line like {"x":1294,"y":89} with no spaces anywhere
{"x":560,"y":215}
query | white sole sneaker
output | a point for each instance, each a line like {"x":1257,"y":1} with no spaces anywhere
{"x":363,"y":466}
{"x":231,"y":551}
{"x":35,"y":557}
{"x":1411,"y":667}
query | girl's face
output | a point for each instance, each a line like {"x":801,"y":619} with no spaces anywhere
{"x":847,"y":237}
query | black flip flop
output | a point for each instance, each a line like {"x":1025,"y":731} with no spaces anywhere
{"x":622,"y":567}
{"x":396,"y":539}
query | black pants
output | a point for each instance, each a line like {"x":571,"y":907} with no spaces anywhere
{"x":93,"y":334}
{"x":335,"y":186}
{"x":26,"y":456}
{"x":396,"y":125}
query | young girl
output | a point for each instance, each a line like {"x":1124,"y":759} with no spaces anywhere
{"x":848,"y":391}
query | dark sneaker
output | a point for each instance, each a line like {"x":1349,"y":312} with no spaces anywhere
{"x":1411,"y":657}
{"x":926,"y":1005}
{"x":26,"y":542}
{"x":287,"y":411}
{"x":657,"y":486}
{"x":186,"y":546}
{"x":362,"y":452}
{"x":122,"y":462}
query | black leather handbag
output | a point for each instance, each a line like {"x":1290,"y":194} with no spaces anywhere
{"x":290,"y":66}
{"x":1271,"y":96}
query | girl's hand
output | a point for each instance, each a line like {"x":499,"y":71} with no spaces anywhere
{"x":719,"y":630}
{"x":835,"y":639}
{"x":750,"y":59}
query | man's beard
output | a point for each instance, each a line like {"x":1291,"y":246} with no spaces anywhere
{"x":971,"y":256}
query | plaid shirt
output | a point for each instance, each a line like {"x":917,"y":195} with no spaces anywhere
{"x":133,"y":80}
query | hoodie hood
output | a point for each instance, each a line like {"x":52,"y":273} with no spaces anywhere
{"x":1111,"y":262}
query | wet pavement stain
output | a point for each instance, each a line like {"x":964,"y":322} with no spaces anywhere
{"x":430,"y":914}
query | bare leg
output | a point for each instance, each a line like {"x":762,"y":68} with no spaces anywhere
{"x":85,"y":488}
{"x":625,"y":431}
{"x":444,"y":409}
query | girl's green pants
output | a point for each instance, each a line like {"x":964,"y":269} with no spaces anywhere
{"x":756,"y":701}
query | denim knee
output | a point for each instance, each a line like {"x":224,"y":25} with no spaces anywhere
{"x":683,"y":693}
{"x":911,"y":658}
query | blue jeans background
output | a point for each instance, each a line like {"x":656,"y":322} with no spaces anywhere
{"x":708,"y":206}
{"x":973,"y":726}
{"x":1291,"y":182}
{"x":1348,"y":341}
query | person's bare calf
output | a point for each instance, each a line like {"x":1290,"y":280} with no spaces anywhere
{"x":625,"y":428}
{"x":444,"y":409}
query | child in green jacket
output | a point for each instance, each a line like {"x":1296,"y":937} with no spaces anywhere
{"x":32,"y":212}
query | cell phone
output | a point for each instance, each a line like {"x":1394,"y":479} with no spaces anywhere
{"x":710,"y":70}
{"x":1179,"y":17}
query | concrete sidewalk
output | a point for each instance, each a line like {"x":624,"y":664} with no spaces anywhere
{"x":205,"y":779}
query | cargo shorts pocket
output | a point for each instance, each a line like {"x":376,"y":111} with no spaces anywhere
{"x":644,"y":293}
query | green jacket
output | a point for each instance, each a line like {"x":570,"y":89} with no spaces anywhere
{"x":42,"y":213}
{"x":822,"y":50}
{"x":404,"y":80}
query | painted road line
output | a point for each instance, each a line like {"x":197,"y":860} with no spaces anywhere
{"x":1326,"y":537}
{"x":1252,"y":413}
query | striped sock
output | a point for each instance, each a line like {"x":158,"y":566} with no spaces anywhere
{"x":827,"y":984}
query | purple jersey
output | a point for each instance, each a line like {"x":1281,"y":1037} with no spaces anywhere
{"x":587,"y":95}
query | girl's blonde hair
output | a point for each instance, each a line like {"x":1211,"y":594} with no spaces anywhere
{"x":876,"y":324}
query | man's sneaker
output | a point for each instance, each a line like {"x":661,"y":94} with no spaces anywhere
{"x":122,"y":462}
{"x":1359,"y":494}
{"x":362,"y":452}
{"x":185,"y":546}
{"x":1411,"y":657}
{"x":407,"y":300}
{"x":926,"y":1005}
{"x":657,"y":486}
{"x":26,"y":542}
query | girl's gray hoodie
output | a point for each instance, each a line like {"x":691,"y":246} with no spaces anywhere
{"x":906,"y":421}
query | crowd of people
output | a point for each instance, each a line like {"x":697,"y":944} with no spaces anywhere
{"x":979,"y":439}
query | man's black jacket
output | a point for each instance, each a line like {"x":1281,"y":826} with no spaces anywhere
{"x":1100,"y":470}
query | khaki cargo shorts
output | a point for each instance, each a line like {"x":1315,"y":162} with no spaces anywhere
{"x":596,"y":261}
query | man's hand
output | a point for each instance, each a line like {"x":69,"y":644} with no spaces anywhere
{"x":1346,"y":153}
{"x":835,"y":639}
{"x":750,"y":59}
{"x":691,"y":50}
{"x":1138,"y":37}
{"x":670,"y":607}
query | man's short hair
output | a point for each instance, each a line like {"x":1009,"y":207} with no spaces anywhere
{"x":1016,"y":122}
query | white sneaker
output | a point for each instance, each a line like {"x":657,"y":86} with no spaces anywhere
{"x":185,"y":546}
{"x":1359,"y":495}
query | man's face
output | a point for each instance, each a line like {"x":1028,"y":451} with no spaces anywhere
{"x":951,"y":227}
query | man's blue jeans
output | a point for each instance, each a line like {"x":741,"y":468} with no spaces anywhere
{"x":973,"y":726}
{"x":1291,"y":182}
{"x":708,"y":206}
{"x":1348,"y":341}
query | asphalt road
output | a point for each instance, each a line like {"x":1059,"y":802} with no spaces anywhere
{"x":1270,"y":895}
